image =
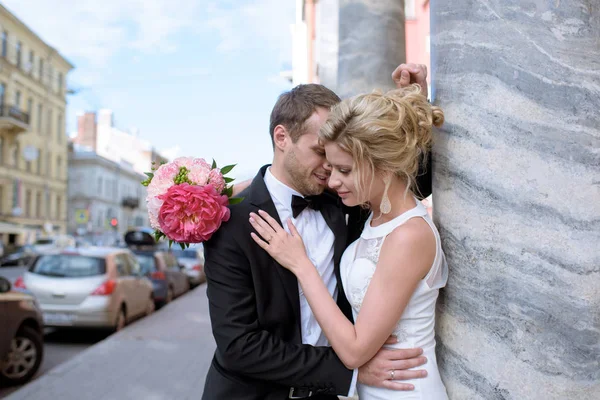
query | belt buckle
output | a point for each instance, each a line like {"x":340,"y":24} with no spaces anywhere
{"x":292,"y":395}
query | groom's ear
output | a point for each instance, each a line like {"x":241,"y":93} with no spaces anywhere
{"x":281,"y":137}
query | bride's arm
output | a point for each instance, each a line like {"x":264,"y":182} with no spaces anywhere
{"x":405,"y":258}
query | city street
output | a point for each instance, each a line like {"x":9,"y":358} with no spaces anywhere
{"x":60,"y":346}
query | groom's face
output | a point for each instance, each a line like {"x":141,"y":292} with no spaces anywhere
{"x":305,"y":160}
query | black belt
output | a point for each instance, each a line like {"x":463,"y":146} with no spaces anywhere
{"x":300,"y":393}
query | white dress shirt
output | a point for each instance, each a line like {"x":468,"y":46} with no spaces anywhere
{"x":318,"y":241}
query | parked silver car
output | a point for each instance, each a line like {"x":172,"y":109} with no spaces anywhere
{"x":89,"y":287}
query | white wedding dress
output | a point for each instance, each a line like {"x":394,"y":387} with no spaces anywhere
{"x":416,"y":326}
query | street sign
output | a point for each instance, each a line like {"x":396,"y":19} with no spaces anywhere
{"x":82,"y":216}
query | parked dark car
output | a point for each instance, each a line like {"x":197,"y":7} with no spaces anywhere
{"x":168,"y":277}
{"x":23,"y":256}
{"x":21,"y":336}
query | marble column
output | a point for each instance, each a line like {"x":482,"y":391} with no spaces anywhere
{"x":517,"y":197}
{"x":366,"y":40}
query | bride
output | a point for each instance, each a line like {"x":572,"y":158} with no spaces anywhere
{"x":393,"y":272}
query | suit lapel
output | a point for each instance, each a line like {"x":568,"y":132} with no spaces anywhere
{"x":261,"y":198}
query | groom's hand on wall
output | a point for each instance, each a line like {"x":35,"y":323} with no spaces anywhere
{"x":378,"y":371}
{"x":407,"y":74}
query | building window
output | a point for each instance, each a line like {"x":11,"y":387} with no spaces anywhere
{"x":2,"y":90}
{"x":31,"y":60}
{"x":1,"y":151}
{"x":58,"y":167}
{"x":19,"y":56}
{"x":1,"y":199}
{"x":4,"y":44}
{"x":41,"y":70}
{"x":50,"y":75}
{"x":29,"y":107}
{"x":409,"y":9}
{"x":40,"y":117}
{"x":38,"y":204}
{"x":49,"y":123}
{"x":100,"y":186}
{"x":39,"y":164}
{"x":48,"y":165}
{"x":15,"y":155}
{"x":59,"y":128}
{"x":58,"y":208}
{"x":17,"y":99}
{"x":60,"y":82}
{"x":27,"y":203}
{"x":28,"y":165}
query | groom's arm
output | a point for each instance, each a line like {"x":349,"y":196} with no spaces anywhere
{"x":243,"y":346}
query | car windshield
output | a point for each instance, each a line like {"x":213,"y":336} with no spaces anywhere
{"x":146,"y":261}
{"x":44,"y":241}
{"x":185,"y":253}
{"x":69,"y":266}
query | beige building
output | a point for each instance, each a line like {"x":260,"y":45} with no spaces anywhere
{"x":33,"y":141}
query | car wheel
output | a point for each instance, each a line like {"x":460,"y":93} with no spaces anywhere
{"x":150,"y":307}
{"x":121,"y":321}
{"x":24,"y":357}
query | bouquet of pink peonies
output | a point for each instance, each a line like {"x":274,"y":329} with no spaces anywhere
{"x":187,"y":200}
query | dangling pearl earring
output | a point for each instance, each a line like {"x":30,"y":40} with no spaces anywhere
{"x":386,"y":206}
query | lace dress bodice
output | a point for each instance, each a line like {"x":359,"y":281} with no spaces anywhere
{"x":416,"y":325}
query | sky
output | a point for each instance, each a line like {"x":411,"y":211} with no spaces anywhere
{"x":195,"y":77}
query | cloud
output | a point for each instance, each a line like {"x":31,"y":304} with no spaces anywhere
{"x":96,"y":31}
{"x":268,"y":20}
{"x":171,"y":152}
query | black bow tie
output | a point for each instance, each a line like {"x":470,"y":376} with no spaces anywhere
{"x":300,"y":203}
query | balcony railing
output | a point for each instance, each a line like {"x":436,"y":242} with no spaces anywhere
{"x":13,"y":119}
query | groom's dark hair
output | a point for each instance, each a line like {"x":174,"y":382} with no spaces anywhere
{"x":293,"y":108}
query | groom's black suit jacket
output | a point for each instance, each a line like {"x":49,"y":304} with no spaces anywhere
{"x":255,"y":311}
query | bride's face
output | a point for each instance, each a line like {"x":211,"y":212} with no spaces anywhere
{"x":342,"y":178}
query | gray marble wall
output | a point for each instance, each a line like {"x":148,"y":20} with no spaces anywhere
{"x":371,"y":45}
{"x":517,"y":197}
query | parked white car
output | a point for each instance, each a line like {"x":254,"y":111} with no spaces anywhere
{"x":53,"y":242}
{"x":89,"y":287}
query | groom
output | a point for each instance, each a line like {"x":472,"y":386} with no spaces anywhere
{"x":269,"y":344}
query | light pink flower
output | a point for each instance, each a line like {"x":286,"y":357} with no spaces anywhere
{"x":191,"y":214}
{"x":184,"y":162}
{"x":161,"y":182}
{"x":199,"y":174}
{"x":216,"y":179}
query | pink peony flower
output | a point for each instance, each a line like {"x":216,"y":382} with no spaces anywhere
{"x":191,"y":214}
{"x":216,"y":179}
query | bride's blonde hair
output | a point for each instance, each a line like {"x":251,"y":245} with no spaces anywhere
{"x":385,"y":132}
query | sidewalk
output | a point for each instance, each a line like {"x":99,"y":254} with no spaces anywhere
{"x":163,"y":356}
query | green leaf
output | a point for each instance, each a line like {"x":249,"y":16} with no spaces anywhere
{"x":228,"y":180}
{"x":149,"y":174}
{"x":226,"y":169}
{"x":235,"y":200}
{"x":229,"y":191}
{"x":214,"y":164}
{"x":170,"y":243}
{"x":182,"y":245}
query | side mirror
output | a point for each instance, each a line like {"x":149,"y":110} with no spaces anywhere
{"x":5,"y":285}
